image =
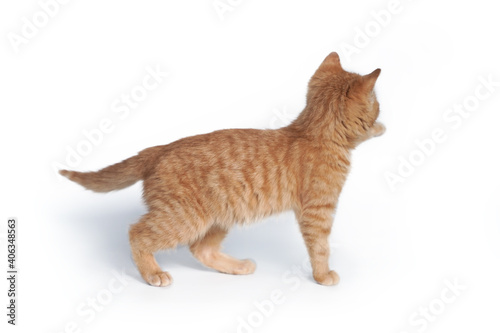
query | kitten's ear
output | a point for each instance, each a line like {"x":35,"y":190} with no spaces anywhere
{"x":368,"y":81}
{"x":332,"y":60}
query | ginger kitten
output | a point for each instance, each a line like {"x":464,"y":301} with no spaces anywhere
{"x":198,"y":187}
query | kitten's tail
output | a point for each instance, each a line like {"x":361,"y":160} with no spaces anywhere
{"x":113,"y":177}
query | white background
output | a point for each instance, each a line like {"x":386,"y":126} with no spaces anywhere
{"x":394,"y":250}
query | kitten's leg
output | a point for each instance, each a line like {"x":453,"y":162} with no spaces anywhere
{"x":207,"y":251}
{"x":145,"y":241}
{"x":376,"y":130}
{"x":315,"y":225}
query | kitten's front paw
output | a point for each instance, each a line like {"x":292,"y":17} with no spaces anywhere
{"x":329,"y":279}
{"x":159,"y":279}
{"x":378,"y":129}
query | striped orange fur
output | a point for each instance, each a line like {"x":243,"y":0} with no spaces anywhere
{"x":198,"y":187}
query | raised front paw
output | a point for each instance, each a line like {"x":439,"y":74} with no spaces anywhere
{"x":378,"y":129}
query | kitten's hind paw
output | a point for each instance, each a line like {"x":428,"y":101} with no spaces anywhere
{"x":244,"y":267}
{"x":329,"y":279}
{"x":159,"y":279}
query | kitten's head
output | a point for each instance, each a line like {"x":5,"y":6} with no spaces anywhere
{"x":348,"y":99}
